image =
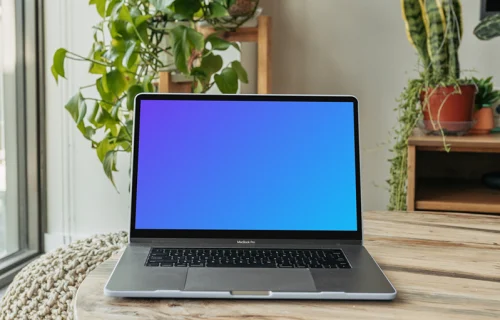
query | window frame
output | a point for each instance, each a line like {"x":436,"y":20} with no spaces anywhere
{"x":30,"y":106}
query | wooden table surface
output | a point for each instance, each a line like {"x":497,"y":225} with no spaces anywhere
{"x":444,"y":265}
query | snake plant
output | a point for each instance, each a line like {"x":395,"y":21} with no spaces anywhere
{"x":434,"y":28}
{"x":488,"y":28}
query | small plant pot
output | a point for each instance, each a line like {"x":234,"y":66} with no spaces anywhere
{"x":484,"y":121}
{"x":448,"y":109}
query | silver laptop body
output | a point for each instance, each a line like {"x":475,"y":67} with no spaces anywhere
{"x":234,"y":197}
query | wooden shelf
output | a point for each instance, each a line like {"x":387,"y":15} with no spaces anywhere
{"x":480,"y":143}
{"x":457,"y":196}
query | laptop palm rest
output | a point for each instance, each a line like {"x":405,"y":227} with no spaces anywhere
{"x":249,"y":280}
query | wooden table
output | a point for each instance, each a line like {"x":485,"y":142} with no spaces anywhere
{"x":444,"y":265}
{"x":451,"y":181}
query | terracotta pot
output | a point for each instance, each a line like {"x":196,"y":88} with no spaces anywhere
{"x":448,"y":107}
{"x":484,"y":121}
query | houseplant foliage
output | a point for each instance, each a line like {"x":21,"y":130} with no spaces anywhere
{"x":488,"y":28}
{"x":486,"y":97}
{"x":486,"y":94}
{"x":434,"y":28}
{"x":126,"y":58}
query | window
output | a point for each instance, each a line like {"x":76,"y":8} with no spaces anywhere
{"x":21,"y":122}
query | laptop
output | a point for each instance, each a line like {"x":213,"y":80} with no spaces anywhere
{"x":246,"y":197}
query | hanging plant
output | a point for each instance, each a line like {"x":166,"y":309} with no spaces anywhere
{"x":126,"y":58}
{"x":434,"y":28}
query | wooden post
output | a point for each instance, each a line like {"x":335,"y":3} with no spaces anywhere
{"x":410,"y":186}
{"x":264,"y":55}
{"x":260,"y":35}
{"x":168,"y":85}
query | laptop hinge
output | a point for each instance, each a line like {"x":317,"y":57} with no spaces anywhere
{"x":257,"y":243}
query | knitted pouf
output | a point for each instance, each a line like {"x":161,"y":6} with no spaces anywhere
{"x":45,"y":288}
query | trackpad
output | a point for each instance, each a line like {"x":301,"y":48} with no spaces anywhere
{"x":249,"y":279}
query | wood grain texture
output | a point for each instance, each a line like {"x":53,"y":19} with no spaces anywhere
{"x":480,"y":143}
{"x":167,"y":85}
{"x":264,"y":82}
{"x":410,"y":190}
{"x":463,"y":196}
{"x":444,"y":265}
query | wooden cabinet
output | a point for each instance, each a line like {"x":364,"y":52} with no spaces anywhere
{"x":451,"y":181}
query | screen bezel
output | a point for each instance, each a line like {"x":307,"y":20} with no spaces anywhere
{"x":243,"y":234}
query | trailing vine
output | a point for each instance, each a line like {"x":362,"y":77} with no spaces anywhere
{"x":409,"y":112}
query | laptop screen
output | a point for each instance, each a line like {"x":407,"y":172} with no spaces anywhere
{"x":246,"y":165}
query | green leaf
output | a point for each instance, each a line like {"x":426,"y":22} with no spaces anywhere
{"x":82,"y":110}
{"x":109,"y":165}
{"x":240,"y":71}
{"x":209,"y":65}
{"x":130,"y":125}
{"x":86,"y":131}
{"x":58,"y":63}
{"x":178,"y":38}
{"x":130,"y":57}
{"x":101,"y":118}
{"x":115,"y":110}
{"x":97,"y":68}
{"x":54,"y":73}
{"x":147,"y":85}
{"x":104,"y":147}
{"x":196,"y":39}
{"x":91,"y":117}
{"x":73,"y":106}
{"x":141,"y":19}
{"x":111,"y":7}
{"x":161,"y":5}
{"x":77,"y":108}
{"x":230,"y":3}
{"x":131,"y":93}
{"x":105,"y":94}
{"x":116,"y":82}
{"x":227,"y":81}
{"x":220,"y":44}
{"x":100,"y":6}
{"x":186,"y":8}
{"x":217,"y":10}
{"x":125,"y":14}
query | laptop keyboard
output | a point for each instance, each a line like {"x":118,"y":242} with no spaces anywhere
{"x":247,"y":258}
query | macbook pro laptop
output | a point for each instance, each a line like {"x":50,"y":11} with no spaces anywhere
{"x":249,"y":197}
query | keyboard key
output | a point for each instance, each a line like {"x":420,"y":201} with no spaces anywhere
{"x":247,"y":258}
{"x":167,"y":264}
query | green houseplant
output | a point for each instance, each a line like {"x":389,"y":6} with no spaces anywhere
{"x":439,"y":95}
{"x":126,"y":58}
{"x":488,"y":28}
{"x":486,"y":97}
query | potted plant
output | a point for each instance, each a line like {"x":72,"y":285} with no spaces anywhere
{"x":486,"y":97}
{"x":126,"y":60}
{"x":439,"y":96}
{"x":434,"y":27}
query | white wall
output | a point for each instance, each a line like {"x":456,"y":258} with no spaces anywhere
{"x":323,"y":46}
{"x":81,"y":200}
{"x":359,"y":47}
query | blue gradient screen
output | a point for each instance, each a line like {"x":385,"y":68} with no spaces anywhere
{"x":246,"y":165}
